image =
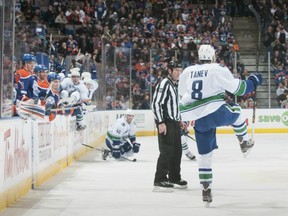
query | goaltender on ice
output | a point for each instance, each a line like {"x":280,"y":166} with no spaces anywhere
{"x":121,"y":138}
{"x":203,"y":87}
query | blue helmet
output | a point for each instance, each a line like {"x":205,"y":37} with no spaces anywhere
{"x":44,"y":67}
{"x":39,"y":68}
{"x":28,"y":58}
{"x":53,"y":76}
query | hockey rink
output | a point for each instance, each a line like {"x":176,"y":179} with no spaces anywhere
{"x":256,"y":185}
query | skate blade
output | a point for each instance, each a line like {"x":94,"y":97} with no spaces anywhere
{"x":181,"y":187}
{"x":246,"y":153}
{"x":163,"y":190}
{"x":206,"y":204}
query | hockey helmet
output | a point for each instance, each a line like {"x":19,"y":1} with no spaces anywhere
{"x":75,"y":72}
{"x":174,"y":64}
{"x":206,"y":53}
{"x":53,"y":76}
{"x":130,"y":112}
{"x":39,"y":68}
{"x":28,"y":58}
{"x":62,"y":76}
{"x":85,"y":75}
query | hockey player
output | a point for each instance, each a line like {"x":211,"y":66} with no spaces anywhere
{"x":41,"y":72}
{"x":50,"y":98}
{"x":184,"y":142}
{"x":203,"y":88}
{"x":26,"y":80}
{"x":74,"y":89}
{"x":121,"y":137}
{"x":92,"y":85}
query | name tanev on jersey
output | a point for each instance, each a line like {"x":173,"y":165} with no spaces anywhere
{"x":200,"y":73}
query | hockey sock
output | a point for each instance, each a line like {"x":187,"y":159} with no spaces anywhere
{"x":240,"y":130}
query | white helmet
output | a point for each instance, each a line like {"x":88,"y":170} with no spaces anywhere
{"x":130,"y":112}
{"x":62,"y":75}
{"x":85,"y":75}
{"x":206,"y":52}
{"x":75,"y":72}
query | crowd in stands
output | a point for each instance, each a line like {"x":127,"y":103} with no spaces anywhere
{"x":135,"y":40}
{"x":274,"y":22}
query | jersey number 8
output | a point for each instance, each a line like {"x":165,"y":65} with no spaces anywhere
{"x":197,"y":86}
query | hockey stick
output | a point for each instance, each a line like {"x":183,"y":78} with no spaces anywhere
{"x":88,"y":108}
{"x":190,"y":137}
{"x":253,"y":117}
{"x":132,"y":160}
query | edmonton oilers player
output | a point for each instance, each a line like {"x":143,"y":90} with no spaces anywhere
{"x":25,"y":79}
{"x":203,"y":87}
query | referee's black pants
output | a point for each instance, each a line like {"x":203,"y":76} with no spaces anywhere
{"x":169,"y":160}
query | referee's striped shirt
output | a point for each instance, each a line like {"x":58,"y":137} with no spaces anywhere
{"x":165,"y":103}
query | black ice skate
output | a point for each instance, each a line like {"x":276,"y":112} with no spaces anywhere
{"x":163,"y":186}
{"x":181,"y":184}
{"x":190,"y":156}
{"x":80,"y":127}
{"x":206,"y":195}
{"x":245,"y":145}
{"x":105,"y":154}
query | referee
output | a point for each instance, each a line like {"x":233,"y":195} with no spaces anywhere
{"x":165,"y":107}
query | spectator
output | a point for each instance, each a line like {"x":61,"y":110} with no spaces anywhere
{"x":100,"y":11}
{"x":279,"y":74}
{"x":268,"y":40}
{"x":280,"y":93}
{"x":60,"y":22}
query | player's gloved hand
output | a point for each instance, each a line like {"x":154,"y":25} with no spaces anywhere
{"x":256,"y":78}
{"x":184,"y":125}
{"x":136,"y":147}
{"x":184,"y":132}
{"x":116,"y":153}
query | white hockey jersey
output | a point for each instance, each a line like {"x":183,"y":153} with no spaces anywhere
{"x":202,"y":88}
{"x":120,"y":130}
{"x":69,"y":86}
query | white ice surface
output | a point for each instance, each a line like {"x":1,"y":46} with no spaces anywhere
{"x":256,"y":185}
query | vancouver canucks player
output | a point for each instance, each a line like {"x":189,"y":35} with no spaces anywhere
{"x":121,"y":137}
{"x":203,"y":87}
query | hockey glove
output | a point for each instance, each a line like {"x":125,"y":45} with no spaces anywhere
{"x":184,"y":125}
{"x":136,"y":147}
{"x":256,"y":78}
{"x":184,"y":132}
{"x":116,"y":153}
